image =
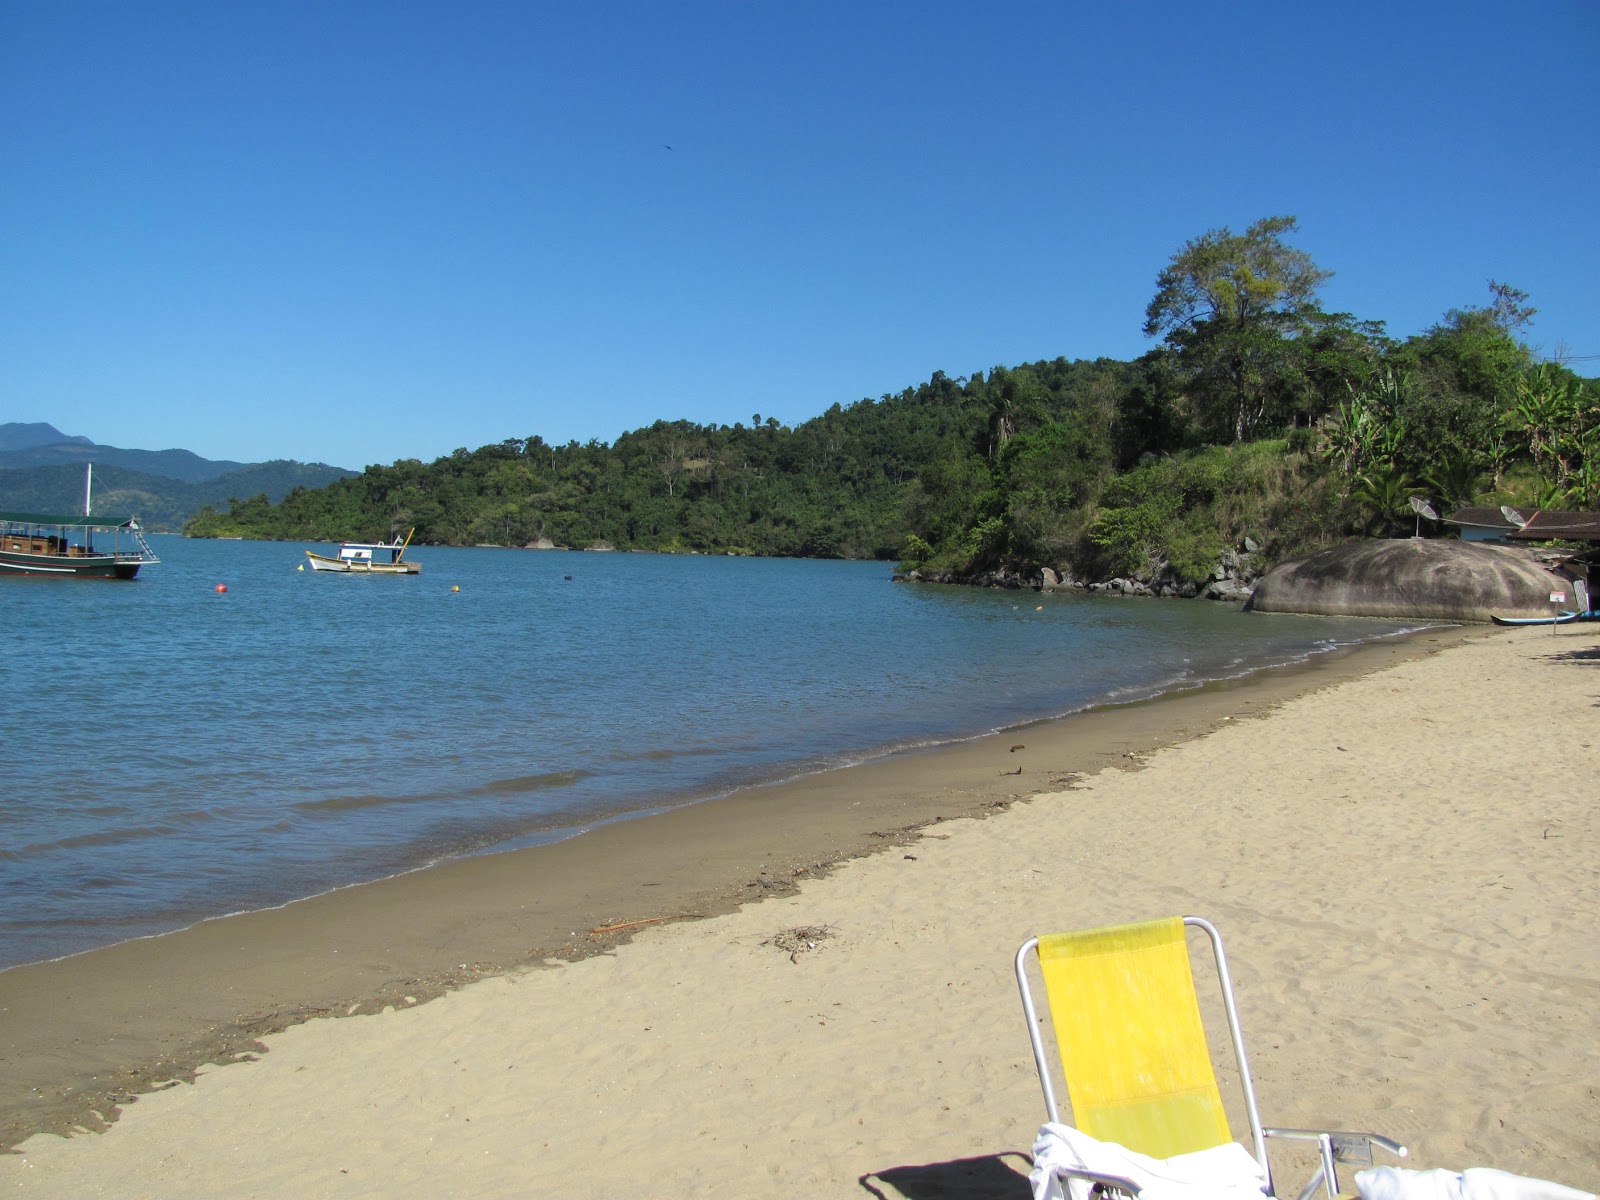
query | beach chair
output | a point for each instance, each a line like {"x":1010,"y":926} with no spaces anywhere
{"x":1133,"y":1052}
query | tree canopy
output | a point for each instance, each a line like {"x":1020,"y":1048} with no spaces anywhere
{"x":1251,"y":342}
{"x":1234,"y":279}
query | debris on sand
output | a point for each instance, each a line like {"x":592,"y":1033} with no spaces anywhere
{"x":800,"y":939}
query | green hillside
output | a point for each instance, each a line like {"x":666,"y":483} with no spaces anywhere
{"x":1258,"y":415}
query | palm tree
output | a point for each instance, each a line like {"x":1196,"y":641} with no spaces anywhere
{"x":1385,"y":492}
{"x":1455,"y":480}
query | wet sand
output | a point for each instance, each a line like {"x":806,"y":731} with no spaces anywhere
{"x":1379,"y":818}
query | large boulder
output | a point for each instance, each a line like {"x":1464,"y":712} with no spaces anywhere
{"x":1412,"y":577}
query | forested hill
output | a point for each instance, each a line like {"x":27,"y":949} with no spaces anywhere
{"x":1259,"y":415}
{"x":834,"y":486}
{"x":840,"y":485}
{"x":162,"y":504}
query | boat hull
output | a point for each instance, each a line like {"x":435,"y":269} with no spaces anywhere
{"x":61,"y":566}
{"x":1565,"y":618}
{"x":321,"y":562}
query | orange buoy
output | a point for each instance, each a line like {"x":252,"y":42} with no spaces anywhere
{"x":222,"y":587}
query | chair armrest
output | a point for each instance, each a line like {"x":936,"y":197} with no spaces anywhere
{"x":1334,"y":1147}
{"x":1348,"y":1146}
{"x":1112,"y":1182}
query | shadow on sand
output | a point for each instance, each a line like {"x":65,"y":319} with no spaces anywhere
{"x":1584,"y":654}
{"x":1577,"y":654}
{"x":991,"y":1177}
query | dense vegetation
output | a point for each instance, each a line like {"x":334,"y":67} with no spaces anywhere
{"x":1259,"y":414}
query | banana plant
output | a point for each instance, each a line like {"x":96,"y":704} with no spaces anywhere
{"x":1560,"y":421}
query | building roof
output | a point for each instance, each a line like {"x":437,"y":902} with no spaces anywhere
{"x":79,"y":522}
{"x":1572,"y":526}
{"x":1530,"y":524}
{"x":1480,"y":518}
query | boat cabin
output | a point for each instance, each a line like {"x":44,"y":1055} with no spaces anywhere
{"x":359,"y":554}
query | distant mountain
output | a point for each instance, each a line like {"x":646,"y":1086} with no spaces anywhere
{"x":25,"y":436}
{"x":41,"y":470}
{"x":42,"y":445}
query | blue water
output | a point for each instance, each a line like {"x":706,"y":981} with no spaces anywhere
{"x":174,"y":752}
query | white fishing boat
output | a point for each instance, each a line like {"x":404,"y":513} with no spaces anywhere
{"x":368,"y":558}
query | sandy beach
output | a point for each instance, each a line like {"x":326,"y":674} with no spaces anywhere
{"x":1400,"y":847}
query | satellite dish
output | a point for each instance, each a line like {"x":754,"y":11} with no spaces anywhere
{"x":1513,"y":516}
{"x":1423,"y":509}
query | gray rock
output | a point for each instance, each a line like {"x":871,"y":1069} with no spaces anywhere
{"x":1228,"y":589}
{"x":1411,"y":577}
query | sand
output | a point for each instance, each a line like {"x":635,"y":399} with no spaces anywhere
{"x":1403,"y":862}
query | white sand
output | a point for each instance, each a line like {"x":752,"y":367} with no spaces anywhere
{"x":1404,"y":865}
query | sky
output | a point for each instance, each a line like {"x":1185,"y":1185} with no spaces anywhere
{"x":352,"y":232}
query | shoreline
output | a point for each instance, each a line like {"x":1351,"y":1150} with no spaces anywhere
{"x":796,"y":772}
{"x":87,"y":1033}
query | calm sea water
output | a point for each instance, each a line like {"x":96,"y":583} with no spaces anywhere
{"x":174,"y":752}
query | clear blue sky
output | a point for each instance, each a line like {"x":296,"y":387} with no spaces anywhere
{"x":352,"y":232}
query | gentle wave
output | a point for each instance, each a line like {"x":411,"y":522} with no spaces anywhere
{"x":668,"y":753}
{"x":518,"y":785}
{"x":530,"y":783}
{"x":85,"y":841}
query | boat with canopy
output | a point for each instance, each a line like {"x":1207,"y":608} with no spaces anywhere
{"x":47,"y":546}
{"x":43,"y":546}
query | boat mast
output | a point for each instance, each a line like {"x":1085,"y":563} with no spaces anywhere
{"x":88,"y":489}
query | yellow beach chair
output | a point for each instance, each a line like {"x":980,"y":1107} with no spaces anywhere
{"x":1133,"y":1050}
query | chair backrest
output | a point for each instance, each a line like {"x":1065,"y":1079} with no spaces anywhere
{"x":1131,"y":1042}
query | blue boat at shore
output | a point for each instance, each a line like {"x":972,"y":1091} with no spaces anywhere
{"x":1564,"y":617}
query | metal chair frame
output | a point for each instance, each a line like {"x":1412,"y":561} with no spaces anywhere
{"x":1333,"y":1146}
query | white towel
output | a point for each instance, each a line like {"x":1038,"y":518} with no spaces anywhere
{"x":1475,"y":1183}
{"x":1225,"y":1172}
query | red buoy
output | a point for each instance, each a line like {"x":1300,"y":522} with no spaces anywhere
{"x":222,"y":587}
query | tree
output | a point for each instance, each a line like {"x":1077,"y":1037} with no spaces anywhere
{"x":1369,"y":427}
{"x":1234,"y":307}
{"x":1508,"y":310}
{"x":1465,"y":374}
{"x":1384,"y":492}
{"x":1010,"y":398}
